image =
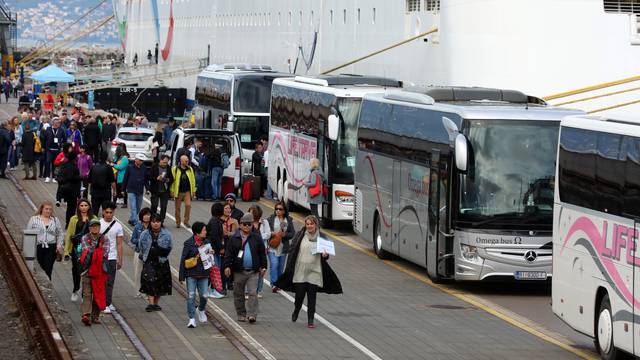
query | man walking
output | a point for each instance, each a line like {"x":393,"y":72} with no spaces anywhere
{"x":102,"y":183}
{"x":92,"y":138}
{"x":183,"y":188}
{"x":135,"y":181}
{"x":109,"y":131}
{"x":245,"y":255}
{"x":54,"y":137}
{"x":161,"y":179}
{"x":112,"y":229}
{"x":258,"y":166}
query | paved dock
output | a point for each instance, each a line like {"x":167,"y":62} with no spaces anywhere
{"x":383,"y":314}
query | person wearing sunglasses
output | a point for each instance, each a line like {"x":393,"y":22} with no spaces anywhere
{"x":236,"y":213}
{"x":245,"y":255}
{"x":282,"y":231}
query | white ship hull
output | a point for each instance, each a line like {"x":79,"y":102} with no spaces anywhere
{"x":540,"y":47}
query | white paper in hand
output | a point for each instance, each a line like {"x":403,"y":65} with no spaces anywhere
{"x":324,"y":245}
{"x":206,"y":256}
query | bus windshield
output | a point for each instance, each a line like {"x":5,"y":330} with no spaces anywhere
{"x":250,"y":129}
{"x":252,"y":94}
{"x":510,"y":179}
{"x":345,"y":146}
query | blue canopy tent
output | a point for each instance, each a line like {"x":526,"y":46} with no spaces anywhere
{"x":52,"y":73}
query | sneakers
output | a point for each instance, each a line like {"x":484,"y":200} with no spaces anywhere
{"x":48,"y":179}
{"x":109,"y":309}
{"x":74,"y":297}
{"x":259,"y":295}
{"x":54,"y":181}
{"x":202,"y":315}
{"x":215,"y":294}
{"x":192,"y":323}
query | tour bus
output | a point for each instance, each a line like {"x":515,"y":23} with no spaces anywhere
{"x":317,"y":118}
{"x":596,"y":282}
{"x":458,"y":180}
{"x":236,"y":97}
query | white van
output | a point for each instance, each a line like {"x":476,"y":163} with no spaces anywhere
{"x":229,"y":140}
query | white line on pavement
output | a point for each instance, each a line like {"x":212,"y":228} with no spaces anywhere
{"x":320,"y":318}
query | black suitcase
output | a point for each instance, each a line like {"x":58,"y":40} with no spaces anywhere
{"x":256,"y":188}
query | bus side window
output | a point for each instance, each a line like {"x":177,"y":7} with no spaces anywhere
{"x":632,"y":176}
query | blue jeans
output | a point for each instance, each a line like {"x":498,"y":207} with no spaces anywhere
{"x":135,"y":204}
{"x":203,"y":186}
{"x":216,"y":182}
{"x":48,"y":164}
{"x":201,"y":285}
{"x":276,"y":265}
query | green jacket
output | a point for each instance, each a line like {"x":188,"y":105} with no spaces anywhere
{"x":71,"y":232}
{"x":175,"y":186}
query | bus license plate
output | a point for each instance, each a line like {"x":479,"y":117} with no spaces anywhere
{"x":530,"y":275}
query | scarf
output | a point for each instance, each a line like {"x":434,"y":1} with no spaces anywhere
{"x":98,"y":276}
{"x":310,"y":237}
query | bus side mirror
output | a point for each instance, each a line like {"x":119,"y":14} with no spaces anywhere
{"x":462,"y":152}
{"x":334,"y":127}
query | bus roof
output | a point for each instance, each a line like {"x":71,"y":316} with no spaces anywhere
{"x":340,"y":85}
{"x":479,"y":107}
{"x":618,"y":125}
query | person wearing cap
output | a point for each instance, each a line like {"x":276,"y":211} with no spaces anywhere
{"x":183,"y":188}
{"x":94,"y":281}
{"x":245,"y":255}
{"x":136,"y":179}
{"x":236,"y":213}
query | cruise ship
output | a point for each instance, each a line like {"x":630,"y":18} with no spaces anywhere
{"x":541,"y":47}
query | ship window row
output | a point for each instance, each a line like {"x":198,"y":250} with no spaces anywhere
{"x":426,"y":5}
{"x":291,"y":18}
{"x":622,"y":6}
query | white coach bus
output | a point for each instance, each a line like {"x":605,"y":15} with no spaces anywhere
{"x":458,"y":180}
{"x":596,"y":278}
{"x":317,"y":118}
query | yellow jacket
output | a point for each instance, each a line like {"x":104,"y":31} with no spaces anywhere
{"x":175,"y":186}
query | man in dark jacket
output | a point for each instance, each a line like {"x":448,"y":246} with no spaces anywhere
{"x":236,"y":213}
{"x":92,"y":138}
{"x":257,"y":162}
{"x":29,"y":155}
{"x":135,"y":180}
{"x":54,"y":137}
{"x":102,"y":183}
{"x":70,"y":182}
{"x":245,"y":255}
{"x":5,"y":143}
{"x":160,"y":180}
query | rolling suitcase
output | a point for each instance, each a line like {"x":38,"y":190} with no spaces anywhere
{"x":227,"y":186}
{"x":256,"y":188}
{"x":247,"y":188}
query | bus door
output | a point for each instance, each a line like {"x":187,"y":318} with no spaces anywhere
{"x":439,"y":239}
{"x":399,"y":242}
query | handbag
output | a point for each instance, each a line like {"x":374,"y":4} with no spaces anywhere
{"x":275,"y":240}
{"x":216,"y":278}
{"x":317,"y":188}
{"x":191,"y":262}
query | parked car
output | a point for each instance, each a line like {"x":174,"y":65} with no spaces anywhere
{"x":138,"y":140}
{"x":228,"y":140}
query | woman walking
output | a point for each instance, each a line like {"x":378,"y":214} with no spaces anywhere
{"x":314,"y":186}
{"x":94,"y":279}
{"x":29,"y":155}
{"x":229,"y":227}
{"x":192,"y":270}
{"x":282,"y":232}
{"x":141,"y":226}
{"x":215,"y":236}
{"x":120,"y":165}
{"x":155,"y":246}
{"x":307,"y":273}
{"x":85,"y":163}
{"x":78,"y":227}
{"x":261,"y":226}
{"x":50,"y":235}
{"x":74,"y":137}
{"x":70,"y":183}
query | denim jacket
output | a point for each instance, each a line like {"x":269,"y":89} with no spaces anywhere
{"x":164,"y":242}
{"x":135,"y":236}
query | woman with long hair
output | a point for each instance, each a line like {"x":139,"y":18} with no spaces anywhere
{"x":141,"y":226}
{"x":78,"y":227}
{"x":49,"y":237}
{"x":155,"y":279}
{"x":282,"y":232}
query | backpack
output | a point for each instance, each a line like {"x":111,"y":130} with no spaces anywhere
{"x":225,"y":160}
{"x":37,"y":145}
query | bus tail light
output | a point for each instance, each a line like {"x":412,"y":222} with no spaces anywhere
{"x":238,"y":163}
{"x":344,"y":197}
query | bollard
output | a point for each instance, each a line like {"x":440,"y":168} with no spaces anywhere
{"x":29,"y":240}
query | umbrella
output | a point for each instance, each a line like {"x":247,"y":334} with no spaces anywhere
{"x":52,"y":73}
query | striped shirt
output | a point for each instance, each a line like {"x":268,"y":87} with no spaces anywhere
{"x":53,"y":234}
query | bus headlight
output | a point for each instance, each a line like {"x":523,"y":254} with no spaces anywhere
{"x":344,"y":197}
{"x":469,"y":252}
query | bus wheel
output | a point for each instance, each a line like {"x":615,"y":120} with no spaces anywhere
{"x":377,"y":240}
{"x":604,"y":331}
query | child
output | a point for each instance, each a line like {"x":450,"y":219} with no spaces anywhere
{"x":85,"y":163}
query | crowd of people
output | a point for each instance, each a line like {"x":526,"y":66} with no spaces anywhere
{"x":230,"y":253}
